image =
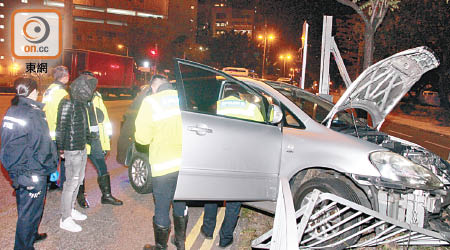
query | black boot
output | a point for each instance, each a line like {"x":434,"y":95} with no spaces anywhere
{"x":81,"y":197}
{"x":104,"y":183}
{"x":180,"y":224}
{"x":161,"y":237}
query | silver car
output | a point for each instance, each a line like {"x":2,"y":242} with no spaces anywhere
{"x":308,"y":140}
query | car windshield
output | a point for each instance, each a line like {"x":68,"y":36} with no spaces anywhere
{"x":316,"y":107}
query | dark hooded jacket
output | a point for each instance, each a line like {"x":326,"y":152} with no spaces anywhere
{"x":27,"y":148}
{"x":72,"y":129}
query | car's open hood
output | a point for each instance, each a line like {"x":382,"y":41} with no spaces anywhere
{"x":381,"y":86}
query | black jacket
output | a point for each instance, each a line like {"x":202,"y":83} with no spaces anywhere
{"x":27,"y":148}
{"x":72,"y":127}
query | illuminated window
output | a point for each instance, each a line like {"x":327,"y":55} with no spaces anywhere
{"x":217,"y":5}
{"x":2,"y":57}
{"x":53,"y":3}
{"x":24,"y":1}
{"x":2,"y":16}
{"x":192,"y":7}
{"x":143,"y":14}
{"x":2,"y":5}
{"x":2,"y":39}
{"x":115,"y":23}
{"x":2,"y":26}
{"x":89,"y":20}
{"x":89,"y":8}
{"x":121,"y":12}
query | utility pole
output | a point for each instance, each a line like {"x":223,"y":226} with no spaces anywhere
{"x":264,"y":53}
{"x":304,"y":52}
{"x":324,"y":87}
{"x":68,"y":25}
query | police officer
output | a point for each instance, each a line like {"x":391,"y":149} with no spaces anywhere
{"x":51,"y":98}
{"x":158,"y":125}
{"x":101,"y":130}
{"x":233,"y":105}
{"x":29,"y":156}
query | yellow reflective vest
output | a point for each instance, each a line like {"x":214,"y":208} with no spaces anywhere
{"x":104,"y":126}
{"x":158,"y":124}
{"x":235,"y":107}
{"x":51,"y":99}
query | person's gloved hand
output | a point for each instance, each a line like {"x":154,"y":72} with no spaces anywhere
{"x":54,"y":176}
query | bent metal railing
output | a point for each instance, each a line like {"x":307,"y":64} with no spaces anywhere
{"x":337,"y":221}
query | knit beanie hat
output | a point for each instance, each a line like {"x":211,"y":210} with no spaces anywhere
{"x":60,"y":72}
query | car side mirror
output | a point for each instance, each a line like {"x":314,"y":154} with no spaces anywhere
{"x":275,"y":114}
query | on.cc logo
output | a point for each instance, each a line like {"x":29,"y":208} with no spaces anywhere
{"x":36,"y":29}
{"x":36,"y":34}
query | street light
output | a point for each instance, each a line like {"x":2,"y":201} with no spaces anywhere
{"x":284,"y":58}
{"x":269,"y":37}
{"x":121,"y":46}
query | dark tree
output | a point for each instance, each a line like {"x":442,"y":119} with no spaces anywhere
{"x":372,"y":13}
{"x":420,"y":23}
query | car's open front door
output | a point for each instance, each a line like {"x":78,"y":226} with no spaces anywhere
{"x":224,"y":158}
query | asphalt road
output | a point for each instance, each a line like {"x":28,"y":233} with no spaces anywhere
{"x":435,"y":142}
{"x":129,"y":226}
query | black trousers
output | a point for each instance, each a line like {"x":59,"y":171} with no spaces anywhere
{"x":163,"y":191}
{"x":30,"y":207}
{"x":97,"y":157}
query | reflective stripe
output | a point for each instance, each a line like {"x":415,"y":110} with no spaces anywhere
{"x":49,"y":93}
{"x":159,"y":113}
{"x":166,"y":115}
{"x":108,"y":128}
{"x":46,"y":99}
{"x":8,"y":125}
{"x":249,"y":112}
{"x":21,"y":122}
{"x":167,"y":165}
{"x":232,"y":104}
{"x":93,"y":128}
{"x":154,"y":104}
{"x":35,"y":178}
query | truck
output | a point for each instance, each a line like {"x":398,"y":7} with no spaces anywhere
{"x":116,"y":74}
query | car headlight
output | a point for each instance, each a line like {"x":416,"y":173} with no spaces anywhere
{"x":396,"y":168}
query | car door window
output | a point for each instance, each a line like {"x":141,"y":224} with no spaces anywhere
{"x":291,"y":120}
{"x":210,"y":93}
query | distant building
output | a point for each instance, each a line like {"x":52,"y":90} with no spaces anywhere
{"x":219,"y":16}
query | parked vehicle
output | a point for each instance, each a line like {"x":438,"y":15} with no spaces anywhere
{"x":116,"y":74}
{"x":287,"y":80}
{"x":429,"y":98}
{"x":306,"y":139}
{"x":236,"y":71}
{"x":6,"y":84}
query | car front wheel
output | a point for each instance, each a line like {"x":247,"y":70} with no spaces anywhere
{"x":140,"y":174}
{"x":303,"y":195}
